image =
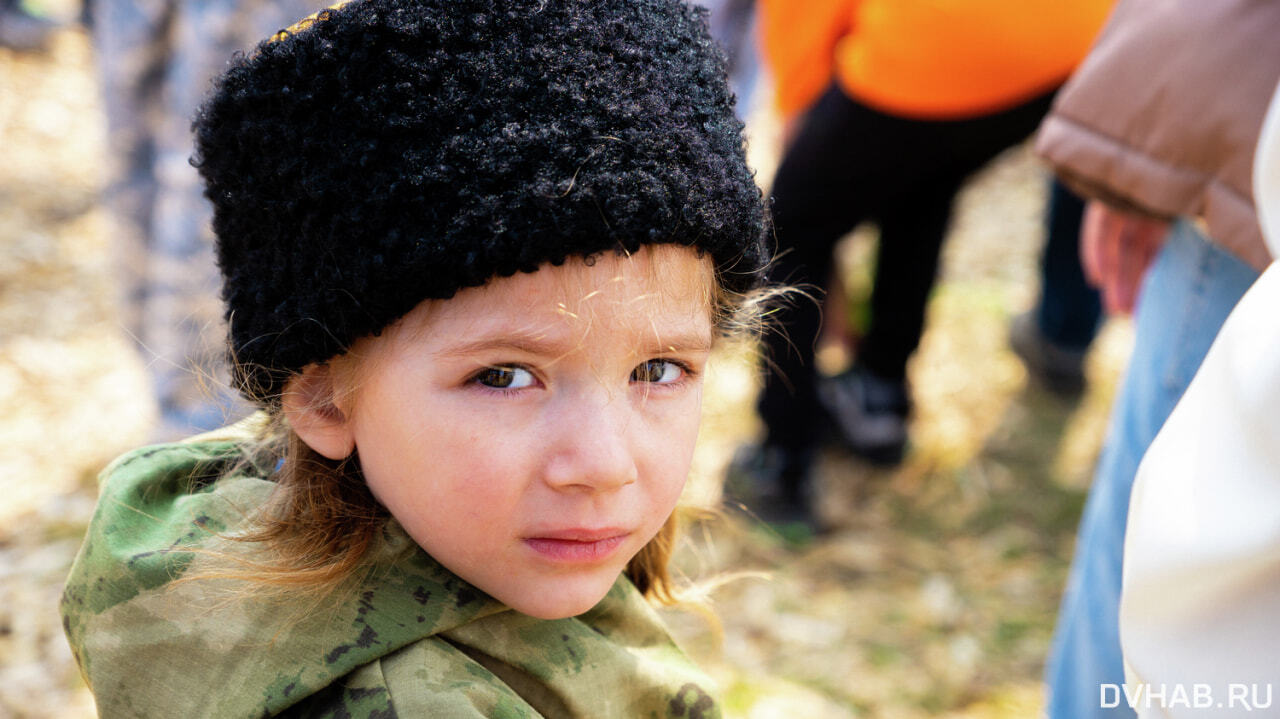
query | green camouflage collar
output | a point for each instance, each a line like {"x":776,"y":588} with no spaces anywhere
{"x":142,"y":639}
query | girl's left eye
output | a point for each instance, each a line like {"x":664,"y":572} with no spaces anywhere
{"x":509,"y":377}
{"x":658,"y":371}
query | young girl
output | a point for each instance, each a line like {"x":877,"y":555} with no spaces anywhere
{"x":475,"y":257}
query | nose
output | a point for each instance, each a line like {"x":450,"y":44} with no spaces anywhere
{"x":590,"y":445}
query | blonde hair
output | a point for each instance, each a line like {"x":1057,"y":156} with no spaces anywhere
{"x":322,"y":521}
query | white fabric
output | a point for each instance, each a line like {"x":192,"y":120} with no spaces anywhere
{"x":1200,"y":609}
{"x":1266,"y":177}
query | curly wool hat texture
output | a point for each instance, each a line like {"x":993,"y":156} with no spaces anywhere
{"x":394,"y":151}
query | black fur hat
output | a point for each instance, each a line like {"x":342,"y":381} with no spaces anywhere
{"x":394,"y":151}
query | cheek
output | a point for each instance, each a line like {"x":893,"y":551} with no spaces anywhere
{"x":449,"y":490}
{"x":669,"y":451}
{"x":424,"y":459}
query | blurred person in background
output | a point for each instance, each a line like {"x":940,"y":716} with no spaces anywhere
{"x":1201,"y":600}
{"x":21,"y":29}
{"x":1053,"y":337}
{"x":733,"y":25}
{"x":890,"y":106}
{"x":156,"y":59}
{"x":1157,"y":128}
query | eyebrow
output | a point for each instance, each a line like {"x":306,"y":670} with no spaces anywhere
{"x":536,"y":344}
{"x":684,"y":342}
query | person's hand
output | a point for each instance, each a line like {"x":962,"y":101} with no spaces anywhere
{"x":1116,"y":247}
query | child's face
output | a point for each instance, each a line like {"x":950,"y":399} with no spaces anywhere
{"x":534,"y":433}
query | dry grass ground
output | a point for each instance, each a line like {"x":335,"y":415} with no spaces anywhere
{"x":934,"y":597}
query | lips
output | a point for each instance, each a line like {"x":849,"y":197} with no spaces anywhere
{"x":577,"y":545}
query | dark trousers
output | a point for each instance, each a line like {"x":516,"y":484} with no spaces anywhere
{"x":851,"y":163}
{"x":1070,"y":308}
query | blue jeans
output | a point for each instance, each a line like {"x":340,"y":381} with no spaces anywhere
{"x":1187,"y":294}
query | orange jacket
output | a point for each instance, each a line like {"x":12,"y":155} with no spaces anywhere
{"x":927,"y":59}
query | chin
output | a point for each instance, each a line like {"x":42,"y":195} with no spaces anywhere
{"x":558,"y":602}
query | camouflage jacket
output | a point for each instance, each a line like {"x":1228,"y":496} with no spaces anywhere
{"x":411,"y":640}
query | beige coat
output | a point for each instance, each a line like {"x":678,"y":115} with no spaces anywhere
{"x":1163,"y":115}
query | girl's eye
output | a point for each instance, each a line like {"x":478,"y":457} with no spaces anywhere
{"x":505,"y":377}
{"x":658,"y":371}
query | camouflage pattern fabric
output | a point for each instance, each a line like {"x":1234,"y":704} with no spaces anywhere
{"x":409,"y":639}
{"x":157,"y":59}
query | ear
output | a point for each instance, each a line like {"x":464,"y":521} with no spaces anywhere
{"x":310,"y":404}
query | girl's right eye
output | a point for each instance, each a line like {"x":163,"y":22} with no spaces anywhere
{"x":505,"y":377}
